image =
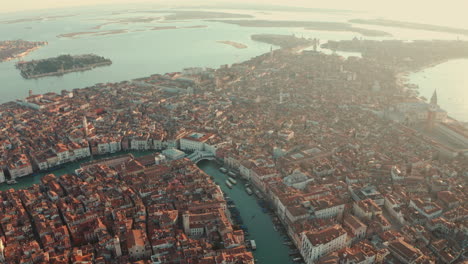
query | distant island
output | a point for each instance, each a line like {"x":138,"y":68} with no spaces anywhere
{"x":283,"y":41}
{"x":12,"y":49}
{"x":409,"y":25}
{"x":191,"y":15}
{"x":309,"y":25}
{"x":61,"y":65}
{"x":93,"y":33}
{"x":233,"y":44}
{"x":401,"y":55}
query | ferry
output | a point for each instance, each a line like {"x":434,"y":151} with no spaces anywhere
{"x":228,"y":184}
{"x":232,"y":174}
{"x":223,"y":170}
{"x":232,"y":180}
{"x":249,"y":191}
{"x":10,"y":182}
{"x":253,"y":245}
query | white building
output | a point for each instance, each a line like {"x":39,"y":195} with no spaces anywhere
{"x":297,"y":179}
{"x":427,"y":208}
{"x":137,"y":246}
{"x":367,"y":209}
{"x":173,"y":154}
{"x":195,"y":141}
{"x":2,"y":176}
{"x":63,"y":153}
{"x":393,"y":207}
{"x":141,"y":143}
{"x":316,"y":244}
{"x":21,"y":166}
{"x":286,"y":134}
{"x":115,"y":146}
{"x":103,"y":148}
{"x":20,"y":171}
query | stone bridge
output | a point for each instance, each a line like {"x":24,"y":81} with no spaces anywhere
{"x":201,"y":155}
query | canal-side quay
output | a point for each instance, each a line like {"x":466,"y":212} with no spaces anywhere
{"x":272,"y":245}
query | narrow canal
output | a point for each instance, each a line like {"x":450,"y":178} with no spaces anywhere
{"x":270,"y":247}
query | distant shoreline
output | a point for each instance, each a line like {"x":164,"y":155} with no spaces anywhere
{"x":308,"y":25}
{"x":410,"y":25}
{"x":10,"y":50}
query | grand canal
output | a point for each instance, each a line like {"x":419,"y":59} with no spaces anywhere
{"x":270,"y":247}
{"x":27,"y":181}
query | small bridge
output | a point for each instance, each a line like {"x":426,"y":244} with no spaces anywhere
{"x":201,"y":155}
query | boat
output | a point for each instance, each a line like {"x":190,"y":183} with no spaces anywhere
{"x":247,"y":185}
{"x":223,"y":170}
{"x":232,"y":174}
{"x":228,"y":184}
{"x":253,"y":245}
{"x":232,"y":180}
{"x":12,"y":181}
{"x":249,"y":191}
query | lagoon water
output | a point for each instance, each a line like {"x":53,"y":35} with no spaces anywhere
{"x":141,"y":51}
{"x":450,"y":80}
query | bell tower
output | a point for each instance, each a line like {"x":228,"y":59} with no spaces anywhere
{"x":85,"y":126}
{"x":2,"y":254}
{"x":432,"y":112}
{"x":186,"y":222}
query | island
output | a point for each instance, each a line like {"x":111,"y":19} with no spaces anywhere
{"x":191,"y":15}
{"x":12,"y":49}
{"x":61,"y":65}
{"x":409,"y":25}
{"x":283,"y":41}
{"x":93,"y":33}
{"x":402,"y":55}
{"x":309,"y":25}
{"x":233,"y":44}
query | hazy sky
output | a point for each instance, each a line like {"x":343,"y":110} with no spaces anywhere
{"x":436,"y":10}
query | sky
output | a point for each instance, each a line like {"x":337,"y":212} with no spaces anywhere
{"x":447,"y":12}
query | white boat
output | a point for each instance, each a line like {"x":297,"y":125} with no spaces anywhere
{"x":232,"y":174}
{"x":232,"y":180}
{"x":10,"y":182}
{"x":228,"y":184}
{"x":253,"y":245}
{"x":249,"y":191}
{"x":223,"y":170}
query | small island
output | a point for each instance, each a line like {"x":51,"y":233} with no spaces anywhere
{"x":61,"y":65}
{"x":12,"y":49}
{"x":233,"y":44}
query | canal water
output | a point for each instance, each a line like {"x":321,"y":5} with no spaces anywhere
{"x":28,"y":181}
{"x":270,"y":247}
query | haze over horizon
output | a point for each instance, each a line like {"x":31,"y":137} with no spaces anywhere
{"x":415,"y":11}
